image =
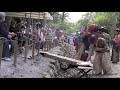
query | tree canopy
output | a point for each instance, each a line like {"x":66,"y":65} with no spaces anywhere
{"x":108,"y":19}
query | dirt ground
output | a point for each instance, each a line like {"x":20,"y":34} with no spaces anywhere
{"x":32,"y":69}
{"x":38,"y":67}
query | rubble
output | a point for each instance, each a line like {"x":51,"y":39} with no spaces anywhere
{"x":62,"y":69}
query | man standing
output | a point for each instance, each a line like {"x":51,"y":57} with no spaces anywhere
{"x":116,"y":47}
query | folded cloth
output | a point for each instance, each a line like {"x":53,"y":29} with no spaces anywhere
{"x":87,"y":63}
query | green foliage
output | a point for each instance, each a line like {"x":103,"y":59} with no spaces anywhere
{"x":108,"y":19}
{"x":80,"y":24}
{"x":60,"y":22}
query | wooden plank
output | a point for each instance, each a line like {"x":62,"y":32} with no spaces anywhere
{"x":82,"y":67}
{"x":66,"y":59}
{"x":61,"y":58}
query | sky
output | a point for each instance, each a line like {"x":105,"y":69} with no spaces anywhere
{"x":75,"y":16}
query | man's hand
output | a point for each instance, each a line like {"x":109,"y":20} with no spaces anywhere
{"x":12,"y":34}
{"x":9,"y":36}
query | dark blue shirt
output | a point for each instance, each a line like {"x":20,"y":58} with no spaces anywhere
{"x":3,"y":30}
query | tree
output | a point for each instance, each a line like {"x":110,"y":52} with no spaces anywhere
{"x":118,"y":20}
{"x":51,"y":13}
{"x":64,"y":16}
{"x":108,"y":19}
{"x":60,"y":22}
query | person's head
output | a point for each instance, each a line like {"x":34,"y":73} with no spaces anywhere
{"x":22,"y":26}
{"x":13,"y":23}
{"x":38,"y":25}
{"x":77,"y":31}
{"x":18,"y":26}
{"x":18,"y":20}
{"x":34,"y":27}
{"x":97,"y":28}
{"x":102,"y":29}
{"x":99,"y":32}
{"x":91,"y":27}
{"x":2,"y":16}
{"x":106,"y":30}
{"x":117,"y":31}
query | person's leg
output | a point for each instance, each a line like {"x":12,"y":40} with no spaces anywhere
{"x":80,"y":52}
{"x":6,"y":51}
{"x":23,"y":44}
{"x":97,"y":69}
{"x":118,"y":53}
{"x":44,"y":46}
{"x":106,"y":65}
{"x":115,"y":55}
{"x":24,"y":41}
{"x":91,"y":52}
{"x":12,"y":47}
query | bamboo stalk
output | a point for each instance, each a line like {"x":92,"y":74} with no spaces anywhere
{"x":38,"y":48}
{"x":33,"y":48}
{"x":26,"y":51}
{"x":15,"y":50}
{"x":1,"y":49}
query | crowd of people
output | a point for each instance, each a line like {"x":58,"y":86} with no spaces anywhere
{"x":45,"y":36}
{"x":96,"y":41}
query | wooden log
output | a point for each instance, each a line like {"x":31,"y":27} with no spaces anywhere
{"x":45,"y":46}
{"x":46,"y":49}
{"x":1,"y":49}
{"x":26,"y":51}
{"x":15,"y":50}
{"x":28,"y":39}
{"x":50,"y":45}
{"x":33,"y":48}
{"x":38,"y":48}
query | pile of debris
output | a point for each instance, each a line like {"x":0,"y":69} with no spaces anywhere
{"x":62,"y":69}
